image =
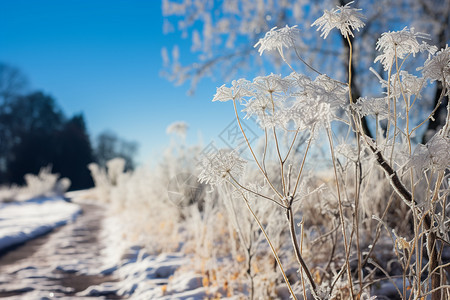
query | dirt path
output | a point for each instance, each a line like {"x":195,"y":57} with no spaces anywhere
{"x":59,"y":264}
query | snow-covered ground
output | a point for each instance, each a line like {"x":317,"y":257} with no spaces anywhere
{"x":107,"y":268}
{"x":144,"y":276}
{"x":21,"y":221}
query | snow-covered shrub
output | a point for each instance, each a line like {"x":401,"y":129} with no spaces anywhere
{"x":153,"y":202}
{"x":44,"y":184}
{"x":108,"y":179}
{"x":9,"y":193}
{"x":101,"y":182}
{"x":115,"y":168}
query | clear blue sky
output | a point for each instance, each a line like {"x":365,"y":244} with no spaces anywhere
{"x":103,"y":58}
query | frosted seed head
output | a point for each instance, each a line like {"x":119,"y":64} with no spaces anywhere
{"x":399,"y":44}
{"x":277,"y":39}
{"x":344,"y":18}
{"x":239,"y":88}
{"x":433,"y":155}
{"x":218,"y":167}
{"x":373,"y":106}
{"x":437,"y":67}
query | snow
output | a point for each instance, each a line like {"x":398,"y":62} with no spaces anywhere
{"x":143,"y":275}
{"x":22,"y":221}
{"x":139,"y":274}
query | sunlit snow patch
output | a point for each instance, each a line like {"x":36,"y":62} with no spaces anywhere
{"x":22,"y":221}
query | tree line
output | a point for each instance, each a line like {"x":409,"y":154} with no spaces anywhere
{"x":35,"y":132}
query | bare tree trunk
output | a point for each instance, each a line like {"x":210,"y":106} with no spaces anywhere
{"x":438,"y":120}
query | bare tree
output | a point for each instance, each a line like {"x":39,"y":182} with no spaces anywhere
{"x":108,"y":146}
{"x":13,"y":82}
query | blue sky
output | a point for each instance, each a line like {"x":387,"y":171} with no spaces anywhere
{"x":103,"y":58}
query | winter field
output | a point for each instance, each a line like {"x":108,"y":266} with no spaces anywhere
{"x":109,"y":267}
{"x":319,"y":205}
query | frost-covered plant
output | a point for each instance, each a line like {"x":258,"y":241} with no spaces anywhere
{"x":106,"y":178}
{"x":344,"y":18}
{"x":380,"y":207}
{"x":43,"y":184}
{"x":399,"y":44}
{"x":277,"y":39}
{"x":115,"y":168}
{"x":221,"y":166}
{"x":134,"y":198}
{"x":179,"y":128}
{"x":437,"y":67}
{"x":296,"y":105}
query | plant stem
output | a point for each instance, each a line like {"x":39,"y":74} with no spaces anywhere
{"x":357,"y":165}
{"x":253,"y":153}
{"x":298,"y":255}
{"x":302,"y":165}
{"x":341,"y":214}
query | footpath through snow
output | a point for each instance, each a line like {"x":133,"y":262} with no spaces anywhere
{"x":84,"y":259}
{"x":58,"y":265}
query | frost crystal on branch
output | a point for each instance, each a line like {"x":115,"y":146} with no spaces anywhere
{"x":373,"y":106}
{"x":268,"y":113}
{"x":348,"y":151}
{"x":438,"y":66}
{"x":434,"y":154}
{"x":344,"y":18}
{"x":258,"y":106}
{"x":318,"y":102}
{"x":400,"y":44}
{"x":272,"y":83}
{"x":276,"y":39}
{"x":408,"y":84}
{"x":239,"y":88}
{"x":411,"y":85}
{"x":221,"y":166}
{"x":327,"y":90}
{"x":307,"y":114}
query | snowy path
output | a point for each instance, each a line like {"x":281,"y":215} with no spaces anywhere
{"x":58,"y":265}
